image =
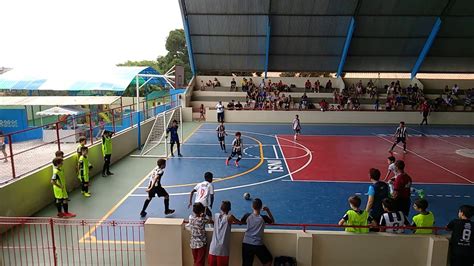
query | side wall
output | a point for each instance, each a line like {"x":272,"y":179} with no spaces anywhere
{"x":363,"y":117}
{"x":29,"y":194}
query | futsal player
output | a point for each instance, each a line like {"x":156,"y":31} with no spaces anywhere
{"x":59,"y":189}
{"x":296,"y":127}
{"x":83,"y":173}
{"x":401,"y":136}
{"x":155,"y":188}
{"x":107,"y":152}
{"x":236,"y":149}
{"x":205,"y":194}
{"x":221,"y":135}
{"x":173,"y":131}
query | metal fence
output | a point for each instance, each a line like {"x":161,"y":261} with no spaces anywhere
{"x":30,"y":149}
{"x":48,"y":241}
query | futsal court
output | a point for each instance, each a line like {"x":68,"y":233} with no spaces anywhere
{"x":308,"y":181}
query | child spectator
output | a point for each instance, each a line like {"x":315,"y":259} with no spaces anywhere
{"x":205,"y":194}
{"x":461,"y":244}
{"x":391,"y":217}
{"x":424,"y":218}
{"x":402,"y":188}
{"x":219,"y":249}
{"x":252,"y":245}
{"x":356,"y":216}
{"x":238,"y":106}
{"x":197,"y":224}
{"x":233,"y":85}
{"x":377,"y":192}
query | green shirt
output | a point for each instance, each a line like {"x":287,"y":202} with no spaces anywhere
{"x":58,"y":177}
{"x":424,"y":220}
{"x":83,"y":166}
{"x":106,"y":145}
{"x":355,"y":218}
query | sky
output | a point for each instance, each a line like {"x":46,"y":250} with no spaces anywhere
{"x":54,"y":34}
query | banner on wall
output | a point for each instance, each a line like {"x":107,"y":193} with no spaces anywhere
{"x":12,"y":120}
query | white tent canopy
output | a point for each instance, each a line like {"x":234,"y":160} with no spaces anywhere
{"x":61,"y":111}
{"x":56,"y":100}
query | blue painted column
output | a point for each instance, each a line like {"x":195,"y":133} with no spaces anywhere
{"x":189,"y":45}
{"x":267,"y":46}
{"x":426,"y":47}
{"x":347,"y":44}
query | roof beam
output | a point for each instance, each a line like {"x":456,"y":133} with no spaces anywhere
{"x":187,"y":34}
{"x":426,"y":47}
{"x":347,"y":44}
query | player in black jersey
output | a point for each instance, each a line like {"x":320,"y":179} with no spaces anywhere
{"x":236,"y":149}
{"x":221,"y":135}
{"x":462,"y":241}
{"x":400,"y":136}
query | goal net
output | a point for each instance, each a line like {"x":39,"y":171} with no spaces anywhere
{"x":156,"y":144}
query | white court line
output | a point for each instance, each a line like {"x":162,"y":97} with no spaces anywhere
{"x":443,"y":140}
{"x":284,"y":159}
{"x":430,"y":161}
{"x":275,"y":151}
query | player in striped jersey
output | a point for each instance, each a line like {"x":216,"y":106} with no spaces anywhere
{"x":221,"y":135}
{"x":155,"y":188}
{"x":236,"y":149}
{"x":296,"y":127}
{"x":391,"y":217}
{"x":401,"y":136}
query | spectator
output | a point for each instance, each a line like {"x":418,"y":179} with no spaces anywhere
{"x":197,"y":224}
{"x":424,"y":218}
{"x":329,"y":85}
{"x":220,"y":112}
{"x":388,"y":105}
{"x":303,"y":102}
{"x":356,"y":103}
{"x":209,"y":84}
{"x":219,"y":250}
{"x":392,"y":217}
{"x":233,"y":85}
{"x":252,"y":244}
{"x":377,"y":104}
{"x":3,"y":147}
{"x":216,"y":83}
{"x":356,"y":216}
{"x":238,"y":106}
{"x":262,"y":84}
{"x":378,"y":191}
{"x":425,"y":109}
{"x":446,"y":90}
{"x":468,"y":99}
{"x":317,"y":86}
{"x":455,"y":90}
{"x":231,"y":105}
{"x":402,"y":188}
{"x":202,"y":113}
{"x":307,"y":85}
{"x":323,"y":105}
{"x":202,"y":87}
{"x":244,"y":84}
{"x":461,"y":244}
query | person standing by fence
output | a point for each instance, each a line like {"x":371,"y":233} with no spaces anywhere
{"x":3,"y":147}
{"x":107,"y":152}
{"x":59,"y":188}
{"x":220,"y":112}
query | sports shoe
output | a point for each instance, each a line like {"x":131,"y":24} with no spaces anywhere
{"x":104,"y":175}
{"x":143,"y":214}
{"x":87,"y":194}
{"x":168,"y":212}
{"x":69,"y":215}
{"x":236,"y":164}
{"x":227,"y":162}
{"x":172,"y":155}
{"x":180,"y":155}
{"x":404,"y":151}
{"x":60,"y":215}
{"x":110,"y":173}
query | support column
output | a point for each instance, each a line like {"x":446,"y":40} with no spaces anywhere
{"x":304,"y":249}
{"x":426,"y":47}
{"x":267,"y":46}
{"x":163,"y":237}
{"x":347,"y":44}
{"x":437,"y":251}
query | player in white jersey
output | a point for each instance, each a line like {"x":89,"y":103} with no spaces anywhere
{"x":155,"y":188}
{"x":296,"y":127}
{"x":391,"y":217}
{"x":204,"y":194}
{"x":237,"y":147}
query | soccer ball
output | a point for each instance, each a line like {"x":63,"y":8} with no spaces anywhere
{"x":247,"y":196}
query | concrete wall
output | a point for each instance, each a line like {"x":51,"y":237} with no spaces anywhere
{"x":365,"y":117}
{"x":167,"y":241}
{"x":27,"y":195}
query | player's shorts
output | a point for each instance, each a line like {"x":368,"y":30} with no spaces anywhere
{"x":401,"y":140}
{"x":173,"y":141}
{"x":218,"y":260}
{"x":221,"y":138}
{"x":157,"y":190}
{"x":249,"y":251}
{"x":238,"y":153}
{"x":297,"y":130}
{"x":425,"y":114}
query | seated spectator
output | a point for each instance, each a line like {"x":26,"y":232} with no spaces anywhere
{"x":317,"y":86}
{"x":209,"y":84}
{"x":468,"y":99}
{"x":416,"y":89}
{"x":450,"y":102}
{"x":425,"y":218}
{"x":377,"y":104}
{"x":303,"y":101}
{"x":216,"y":83}
{"x":409,"y":90}
{"x":455,"y":90}
{"x":356,"y":103}
{"x":332,"y":108}
{"x":392,"y":217}
{"x":238,"y":106}
{"x":307,"y":85}
{"x":244,"y":84}
{"x":233,"y":85}
{"x":231,"y":105}
{"x":329,"y":85}
{"x":388,"y":105}
{"x":323,"y":105}
{"x":370,"y":84}
{"x":202,"y":87}
{"x":356,"y":216}
{"x":252,"y":243}
{"x":262,"y":84}
{"x":446,"y":90}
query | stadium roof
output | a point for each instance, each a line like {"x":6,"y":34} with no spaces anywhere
{"x":330,"y":35}
{"x":56,"y":100}
{"x":114,"y":79}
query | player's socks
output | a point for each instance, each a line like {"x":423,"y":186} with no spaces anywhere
{"x":65,"y":207}
{"x":143,"y":214}
{"x":145,"y":205}
{"x":59,"y":207}
{"x":227,"y":162}
{"x":236,"y":164}
{"x":167,"y":204}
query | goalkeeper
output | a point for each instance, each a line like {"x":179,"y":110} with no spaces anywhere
{"x":173,"y":131}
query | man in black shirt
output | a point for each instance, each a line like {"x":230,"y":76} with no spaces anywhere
{"x":461,"y":243}
{"x":378,"y":191}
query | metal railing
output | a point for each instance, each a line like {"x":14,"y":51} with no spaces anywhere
{"x":32,"y":148}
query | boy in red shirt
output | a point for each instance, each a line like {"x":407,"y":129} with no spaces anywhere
{"x":402,"y":188}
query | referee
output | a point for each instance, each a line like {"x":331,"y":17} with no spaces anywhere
{"x":401,"y":136}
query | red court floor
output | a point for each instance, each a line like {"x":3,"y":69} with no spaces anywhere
{"x":349,"y":158}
